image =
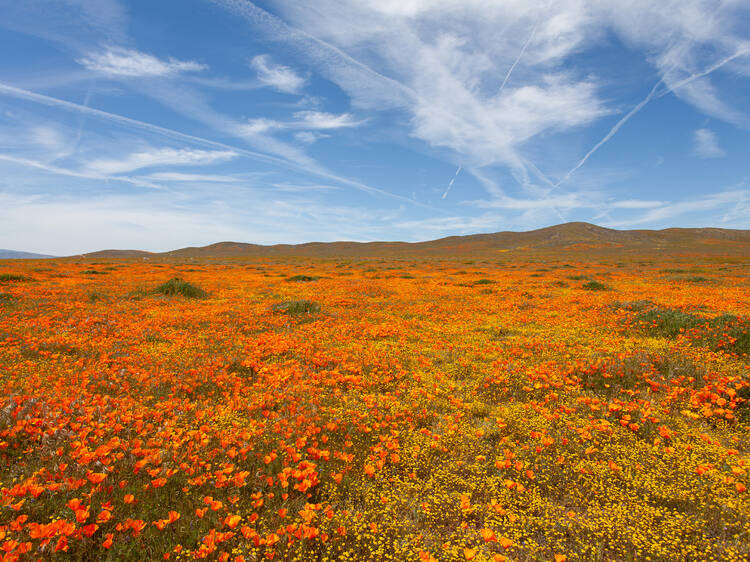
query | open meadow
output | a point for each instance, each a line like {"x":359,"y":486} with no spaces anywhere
{"x":501,"y":408}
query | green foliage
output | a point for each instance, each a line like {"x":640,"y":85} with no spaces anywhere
{"x":665,"y":322}
{"x":96,"y":296}
{"x":484,"y":282}
{"x":179,"y":287}
{"x":727,"y":332}
{"x":301,"y":278}
{"x":595,"y":286}
{"x":296,"y":308}
{"x":13,"y":277}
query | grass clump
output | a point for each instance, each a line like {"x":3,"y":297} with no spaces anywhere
{"x":665,"y":322}
{"x":296,"y":308}
{"x":484,"y":282}
{"x":8,"y":277}
{"x":595,"y":286}
{"x":726,"y":332}
{"x":179,"y":287}
{"x":694,"y":279}
{"x":93,"y":272}
{"x":301,"y":279}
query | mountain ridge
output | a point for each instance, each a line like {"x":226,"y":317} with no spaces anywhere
{"x":19,"y":255}
{"x":572,"y":236}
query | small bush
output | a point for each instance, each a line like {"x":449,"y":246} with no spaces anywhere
{"x":484,"y":282}
{"x":301,"y":278}
{"x":296,"y":308}
{"x":694,"y":279}
{"x":96,"y":296}
{"x":634,"y":306}
{"x":594,"y":286}
{"x":177,"y":286}
{"x":93,"y":272}
{"x":14,"y":277}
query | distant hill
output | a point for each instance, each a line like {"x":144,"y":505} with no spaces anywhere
{"x":573,"y":236}
{"x":15,"y":255}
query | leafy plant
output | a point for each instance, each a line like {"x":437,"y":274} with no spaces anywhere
{"x":296,"y":308}
{"x":179,"y":287}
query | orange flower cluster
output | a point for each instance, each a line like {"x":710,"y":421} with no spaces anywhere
{"x":375,"y":410}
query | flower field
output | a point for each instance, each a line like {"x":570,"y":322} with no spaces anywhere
{"x":369,"y":409}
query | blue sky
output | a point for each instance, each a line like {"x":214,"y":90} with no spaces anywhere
{"x":157,"y":125}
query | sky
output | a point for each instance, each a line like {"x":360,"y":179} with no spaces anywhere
{"x":159,"y":125}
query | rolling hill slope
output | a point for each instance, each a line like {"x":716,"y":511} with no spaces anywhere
{"x":568,"y":237}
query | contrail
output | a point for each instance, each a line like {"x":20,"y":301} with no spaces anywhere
{"x":73,"y":174}
{"x":518,"y":58}
{"x":170,"y":133}
{"x":127,"y":121}
{"x":450,"y":184}
{"x":610,"y":134}
{"x":709,"y":70}
{"x":651,"y":95}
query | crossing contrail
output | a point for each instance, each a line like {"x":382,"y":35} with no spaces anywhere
{"x":651,"y":95}
{"x":20,"y":93}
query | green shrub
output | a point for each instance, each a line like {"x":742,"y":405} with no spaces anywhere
{"x":484,"y":282}
{"x":14,"y":277}
{"x":301,"y":278}
{"x":296,"y":308}
{"x":177,"y":286}
{"x":594,"y":286}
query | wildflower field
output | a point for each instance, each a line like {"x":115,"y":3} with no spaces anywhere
{"x":373,"y":409}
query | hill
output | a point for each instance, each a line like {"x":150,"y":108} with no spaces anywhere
{"x":16,"y":255}
{"x":568,"y":237}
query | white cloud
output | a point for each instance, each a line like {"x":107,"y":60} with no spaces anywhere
{"x":258,"y":126}
{"x":159,"y":157}
{"x":322,"y":120}
{"x":706,"y":144}
{"x":57,"y":170}
{"x":485,"y":79}
{"x":277,"y":76}
{"x":47,"y":137}
{"x":728,"y":200}
{"x":182,"y":177}
{"x":118,"y":61}
{"x":308,"y":137}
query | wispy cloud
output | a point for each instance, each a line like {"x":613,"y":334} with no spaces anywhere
{"x":117,"y":61}
{"x":451,"y":70}
{"x":698,"y":206}
{"x":318,"y":171}
{"x":308,"y":137}
{"x":197,"y":178}
{"x":159,"y":157}
{"x":322,"y":120}
{"x":706,"y":144}
{"x":277,"y":76}
{"x":309,"y":120}
{"x":85,"y":174}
